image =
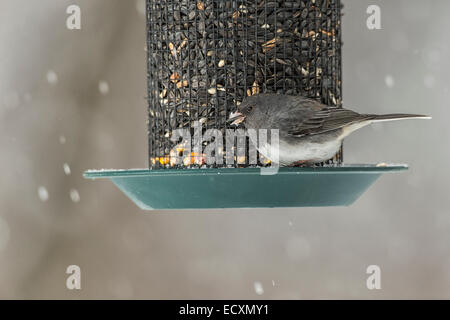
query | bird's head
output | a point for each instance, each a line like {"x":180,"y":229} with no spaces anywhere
{"x":250,"y":108}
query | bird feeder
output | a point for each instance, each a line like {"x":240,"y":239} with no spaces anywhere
{"x":204,"y":58}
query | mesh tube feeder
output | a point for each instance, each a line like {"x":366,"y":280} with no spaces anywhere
{"x":204,"y":58}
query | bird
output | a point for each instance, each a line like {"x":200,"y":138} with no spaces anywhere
{"x":309,"y":132}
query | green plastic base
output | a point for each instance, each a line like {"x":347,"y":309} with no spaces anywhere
{"x":245,"y":187}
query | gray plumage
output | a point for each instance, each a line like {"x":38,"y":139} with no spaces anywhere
{"x":309,"y":131}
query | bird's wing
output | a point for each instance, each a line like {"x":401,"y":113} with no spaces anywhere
{"x":309,"y":117}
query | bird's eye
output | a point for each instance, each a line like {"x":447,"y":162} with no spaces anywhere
{"x":249,"y":109}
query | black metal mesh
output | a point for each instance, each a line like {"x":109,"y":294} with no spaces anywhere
{"x":204,"y":57}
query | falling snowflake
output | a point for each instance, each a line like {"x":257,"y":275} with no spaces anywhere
{"x":52,"y":77}
{"x":74,"y":195}
{"x":389,"y":81}
{"x":259,"y":288}
{"x":103,"y":87}
{"x":62,"y":139}
{"x":67,"y":170}
{"x":43,"y":194}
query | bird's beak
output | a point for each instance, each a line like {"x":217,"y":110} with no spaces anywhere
{"x":236,"y":118}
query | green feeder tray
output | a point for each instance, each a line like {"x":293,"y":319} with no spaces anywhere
{"x":339,"y":185}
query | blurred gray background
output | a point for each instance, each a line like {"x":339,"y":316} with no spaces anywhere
{"x":75,"y":99}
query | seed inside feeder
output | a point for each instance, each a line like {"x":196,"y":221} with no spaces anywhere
{"x":205,"y":57}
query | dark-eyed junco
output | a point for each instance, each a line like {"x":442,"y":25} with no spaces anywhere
{"x":309,"y":132}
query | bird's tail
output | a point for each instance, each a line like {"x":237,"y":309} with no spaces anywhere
{"x":395,"y":116}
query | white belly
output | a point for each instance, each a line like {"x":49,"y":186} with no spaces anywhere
{"x":304,"y":151}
